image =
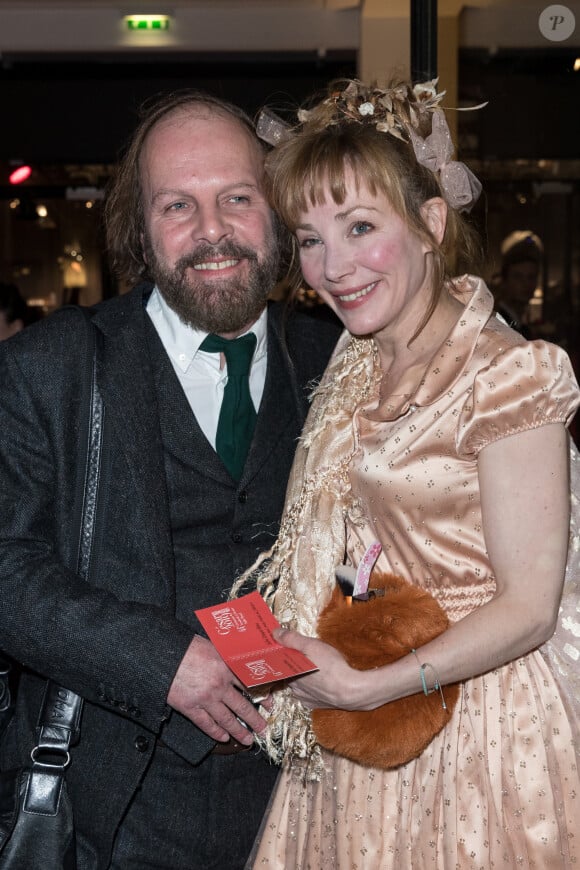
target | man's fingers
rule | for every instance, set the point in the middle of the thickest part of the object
(207, 693)
(224, 717)
(220, 718)
(206, 723)
(245, 710)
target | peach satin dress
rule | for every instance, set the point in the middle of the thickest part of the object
(499, 787)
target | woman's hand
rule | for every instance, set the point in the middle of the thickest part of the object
(335, 684)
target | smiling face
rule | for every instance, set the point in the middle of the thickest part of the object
(364, 261)
(209, 238)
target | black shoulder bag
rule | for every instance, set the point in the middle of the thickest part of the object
(36, 819)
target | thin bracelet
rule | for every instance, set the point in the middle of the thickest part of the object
(436, 683)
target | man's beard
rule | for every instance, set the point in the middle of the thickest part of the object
(218, 306)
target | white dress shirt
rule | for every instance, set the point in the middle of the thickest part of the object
(199, 372)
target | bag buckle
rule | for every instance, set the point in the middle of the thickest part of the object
(51, 762)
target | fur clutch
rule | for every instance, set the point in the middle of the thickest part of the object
(374, 633)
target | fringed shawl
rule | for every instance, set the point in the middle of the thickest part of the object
(296, 577)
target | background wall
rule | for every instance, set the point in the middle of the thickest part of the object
(72, 77)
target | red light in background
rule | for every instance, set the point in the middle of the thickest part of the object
(19, 175)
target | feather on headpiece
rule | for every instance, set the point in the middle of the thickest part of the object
(401, 111)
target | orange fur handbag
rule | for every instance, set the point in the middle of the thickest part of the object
(370, 634)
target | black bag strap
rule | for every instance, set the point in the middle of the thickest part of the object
(8, 677)
(5, 668)
(60, 714)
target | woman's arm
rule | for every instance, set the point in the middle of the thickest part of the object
(525, 508)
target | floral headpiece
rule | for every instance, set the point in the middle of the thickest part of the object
(400, 111)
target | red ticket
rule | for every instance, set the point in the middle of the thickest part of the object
(241, 631)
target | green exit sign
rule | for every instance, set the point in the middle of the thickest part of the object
(147, 22)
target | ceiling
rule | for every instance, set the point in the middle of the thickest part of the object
(66, 63)
(251, 25)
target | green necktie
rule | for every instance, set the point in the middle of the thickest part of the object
(237, 415)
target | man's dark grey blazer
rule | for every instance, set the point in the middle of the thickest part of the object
(115, 640)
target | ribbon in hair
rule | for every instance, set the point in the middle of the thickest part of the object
(459, 185)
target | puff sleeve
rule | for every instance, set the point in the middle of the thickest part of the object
(524, 387)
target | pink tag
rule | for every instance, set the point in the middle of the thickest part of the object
(363, 574)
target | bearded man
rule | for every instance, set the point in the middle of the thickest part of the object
(164, 774)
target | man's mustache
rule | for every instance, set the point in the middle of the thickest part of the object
(210, 252)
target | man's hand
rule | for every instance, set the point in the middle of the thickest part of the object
(207, 693)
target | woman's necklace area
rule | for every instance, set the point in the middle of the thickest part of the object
(401, 382)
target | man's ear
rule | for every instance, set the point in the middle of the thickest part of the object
(434, 212)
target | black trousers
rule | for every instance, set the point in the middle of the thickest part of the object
(195, 818)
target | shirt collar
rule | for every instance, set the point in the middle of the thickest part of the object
(182, 341)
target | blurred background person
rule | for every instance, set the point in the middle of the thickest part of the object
(521, 260)
(13, 311)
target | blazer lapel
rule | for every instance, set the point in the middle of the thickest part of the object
(126, 381)
(281, 404)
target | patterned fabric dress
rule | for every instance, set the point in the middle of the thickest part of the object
(499, 787)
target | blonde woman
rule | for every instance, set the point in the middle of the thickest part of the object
(441, 433)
